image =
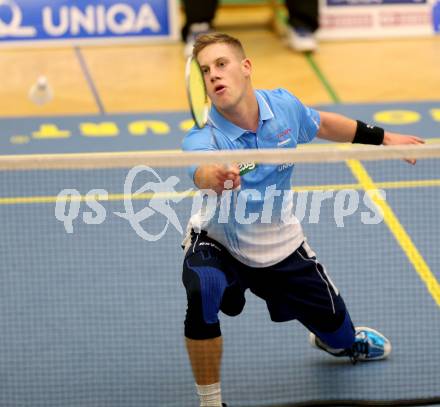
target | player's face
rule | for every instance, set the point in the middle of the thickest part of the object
(226, 74)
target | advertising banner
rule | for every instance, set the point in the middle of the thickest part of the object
(345, 19)
(94, 21)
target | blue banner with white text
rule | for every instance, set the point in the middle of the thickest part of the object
(51, 20)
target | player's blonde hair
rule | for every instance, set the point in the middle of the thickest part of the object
(217, 38)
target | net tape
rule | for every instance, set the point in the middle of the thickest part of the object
(176, 158)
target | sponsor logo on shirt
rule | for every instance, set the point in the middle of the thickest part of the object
(284, 137)
(284, 166)
(246, 167)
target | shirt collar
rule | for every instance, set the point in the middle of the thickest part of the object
(233, 131)
(264, 108)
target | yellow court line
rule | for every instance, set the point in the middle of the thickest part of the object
(423, 183)
(432, 140)
(84, 198)
(190, 194)
(326, 187)
(396, 228)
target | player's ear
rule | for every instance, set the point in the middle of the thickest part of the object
(246, 66)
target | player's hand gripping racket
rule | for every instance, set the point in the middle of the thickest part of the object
(196, 90)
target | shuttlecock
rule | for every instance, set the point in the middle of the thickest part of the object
(41, 92)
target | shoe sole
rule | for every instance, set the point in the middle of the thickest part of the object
(313, 343)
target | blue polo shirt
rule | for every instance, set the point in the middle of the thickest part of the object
(284, 122)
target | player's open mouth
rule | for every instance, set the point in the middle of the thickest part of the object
(219, 89)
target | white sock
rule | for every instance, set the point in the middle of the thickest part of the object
(210, 395)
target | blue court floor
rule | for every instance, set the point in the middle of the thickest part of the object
(95, 317)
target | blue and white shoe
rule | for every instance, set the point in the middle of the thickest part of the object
(301, 40)
(369, 345)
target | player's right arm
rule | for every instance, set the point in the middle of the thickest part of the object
(217, 177)
(212, 176)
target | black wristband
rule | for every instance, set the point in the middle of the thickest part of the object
(367, 134)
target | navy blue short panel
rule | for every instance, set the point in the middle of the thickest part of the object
(296, 288)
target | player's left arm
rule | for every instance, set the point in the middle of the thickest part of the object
(341, 129)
